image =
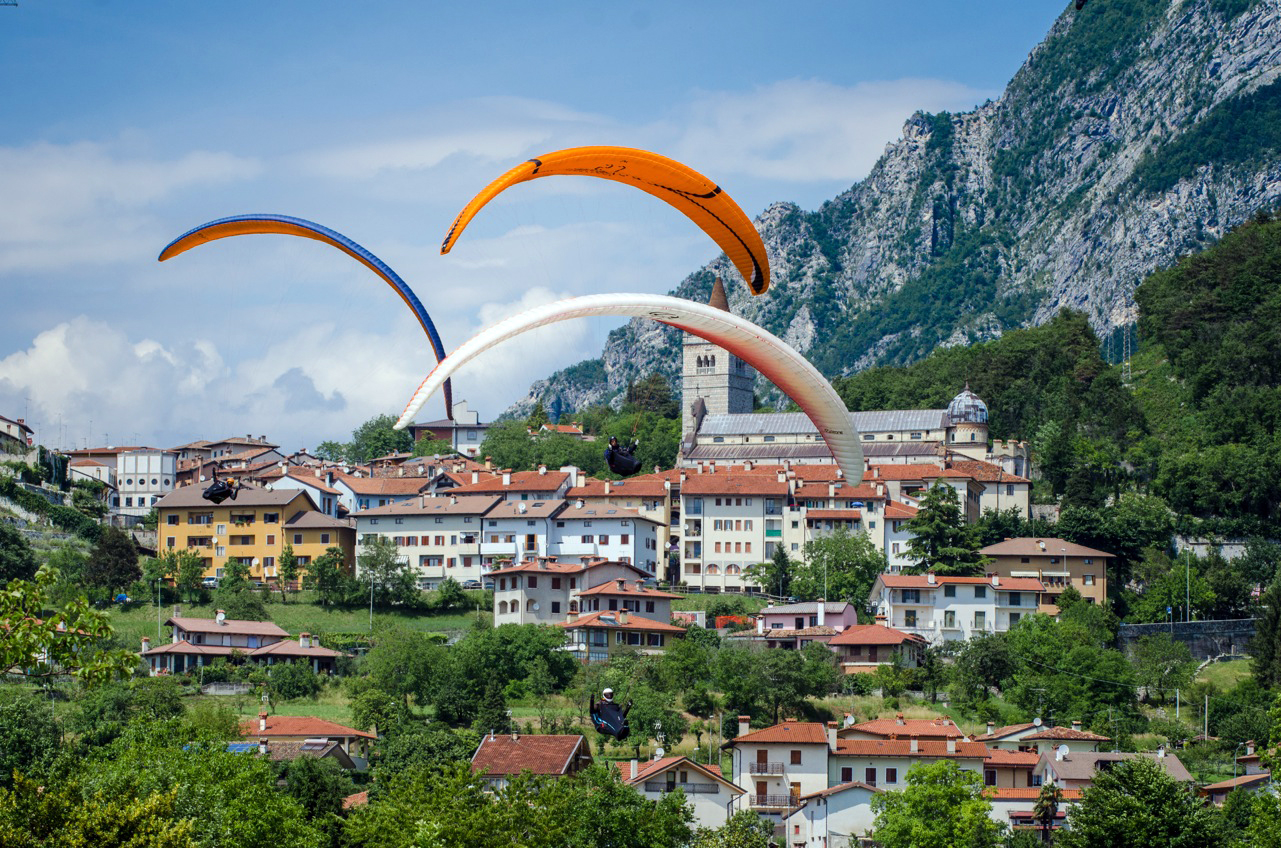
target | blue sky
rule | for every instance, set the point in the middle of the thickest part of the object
(128, 123)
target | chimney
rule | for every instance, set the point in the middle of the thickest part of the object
(1060, 754)
(1076, 725)
(262, 721)
(930, 578)
(1160, 752)
(177, 611)
(422, 501)
(622, 584)
(914, 745)
(515, 736)
(542, 471)
(146, 644)
(475, 476)
(507, 477)
(744, 725)
(898, 719)
(849, 719)
(520, 507)
(831, 735)
(304, 641)
(781, 476)
(822, 612)
(262, 747)
(951, 744)
(542, 563)
(453, 499)
(635, 770)
(1249, 748)
(760, 625)
(991, 728)
(996, 579)
(571, 616)
(623, 616)
(607, 487)
(840, 475)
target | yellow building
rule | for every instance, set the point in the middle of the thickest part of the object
(252, 529)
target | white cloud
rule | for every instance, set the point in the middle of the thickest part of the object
(807, 130)
(86, 203)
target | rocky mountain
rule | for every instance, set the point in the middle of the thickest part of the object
(1137, 131)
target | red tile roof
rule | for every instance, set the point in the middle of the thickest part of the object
(1012, 794)
(733, 484)
(307, 727)
(986, 472)
(896, 510)
(925, 728)
(229, 625)
(610, 619)
(521, 481)
(841, 787)
(360, 799)
(799, 732)
(915, 471)
(386, 486)
(511, 754)
(926, 748)
(1235, 782)
(874, 634)
(633, 590)
(1002, 757)
(1007, 730)
(648, 487)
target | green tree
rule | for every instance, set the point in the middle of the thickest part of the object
(537, 417)
(1265, 648)
(492, 715)
(40, 643)
(287, 567)
(774, 577)
(839, 567)
(377, 437)
(942, 806)
(331, 451)
(654, 394)
(319, 785)
(403, 662)
(29, 737)
(187, 570)
(113, 564)
(327, 575)
(941, 541)
(415, 746)
(433, 447)
(449, 595)
(17, 560)
(293, 680)
(1162, 665)
(508, 443)
(240, 601)
(1135, 804)
(384, 574)
(1046, 809)
(745, 829)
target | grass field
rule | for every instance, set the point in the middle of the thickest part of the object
(297, 616)
(1225, 675)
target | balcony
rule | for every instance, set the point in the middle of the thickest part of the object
(774, 802)
(690, 788)
(498, 549)
(773, 534)
(764, 768)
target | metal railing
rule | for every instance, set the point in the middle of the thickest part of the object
(776, 801)
(764, 768)
(690, 788)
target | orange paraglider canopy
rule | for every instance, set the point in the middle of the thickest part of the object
(700, 199)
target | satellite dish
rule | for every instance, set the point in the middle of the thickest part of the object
(1062, 751)
(215, 540)
(536, 607)
(659, 752)
(220, 616)
(255, 562)
(1037, 721)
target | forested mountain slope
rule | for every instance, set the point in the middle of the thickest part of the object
(1135, 133)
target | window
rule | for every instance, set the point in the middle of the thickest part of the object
(324, 538)
(847, 775)
(1014, 618)
(1087, 580)
(373, 521)
(949, 619)
(980, 591)
(867, 437)
(989, 777)
(949, 591)
(625, 538)
(271, 539)
(869, 776)
(171, 519)
(1016, 599)
(1088, 561)
(980, 620)
(170, 541)
(555, 606)
(911, 596)
(555, 582)
(400, 520)
(909, 618)
(587, 539)
(129, 501)
(891, 775)
(796, 758)
(604, 539)
(533, 582)
(297, 538)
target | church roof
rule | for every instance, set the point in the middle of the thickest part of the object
(765, 423)
(718, 298)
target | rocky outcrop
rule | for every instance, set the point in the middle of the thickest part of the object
(1086, 175)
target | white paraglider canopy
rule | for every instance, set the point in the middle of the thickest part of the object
(767, 353)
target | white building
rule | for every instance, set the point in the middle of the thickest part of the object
(143, 477)
(545, 591)
(947, 609)
(439, 537)
(707, 792)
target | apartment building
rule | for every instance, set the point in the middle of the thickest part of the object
(946, 609)
(252, 530)
(1057, 563)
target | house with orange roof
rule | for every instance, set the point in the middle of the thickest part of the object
(1002, 490)
(545, 590)
(598, 636)
(500, 757)
(441, 537)
(862, 648)
(1015, 807)
(16, 436)
(283, 729)
(793, 626)
(361, 491)
(1010, 769)
(946, 609)
(1009, 737)
(731, 522)
(655, 496)
(706, 790)
(196, 642)
(1057, 563)
(780, 764)
(928, 729)
(1073, 739)
(840, 814)
(540, 485)
(1068, 769)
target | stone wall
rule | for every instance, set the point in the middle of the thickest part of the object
(1206, 639)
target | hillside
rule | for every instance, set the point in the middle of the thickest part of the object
(1133, 134)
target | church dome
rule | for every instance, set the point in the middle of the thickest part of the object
(967, 408)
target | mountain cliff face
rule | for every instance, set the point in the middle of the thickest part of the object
(1136, 132)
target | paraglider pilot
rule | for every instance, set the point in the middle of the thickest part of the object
(219, 490)
(621, 459)
(609, 718)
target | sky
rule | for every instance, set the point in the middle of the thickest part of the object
(125, 124)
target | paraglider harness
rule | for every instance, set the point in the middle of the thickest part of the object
(609, 718)
(621, 460)
(219, 490)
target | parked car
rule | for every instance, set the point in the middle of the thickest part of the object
(209, 583)
(471, 584)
